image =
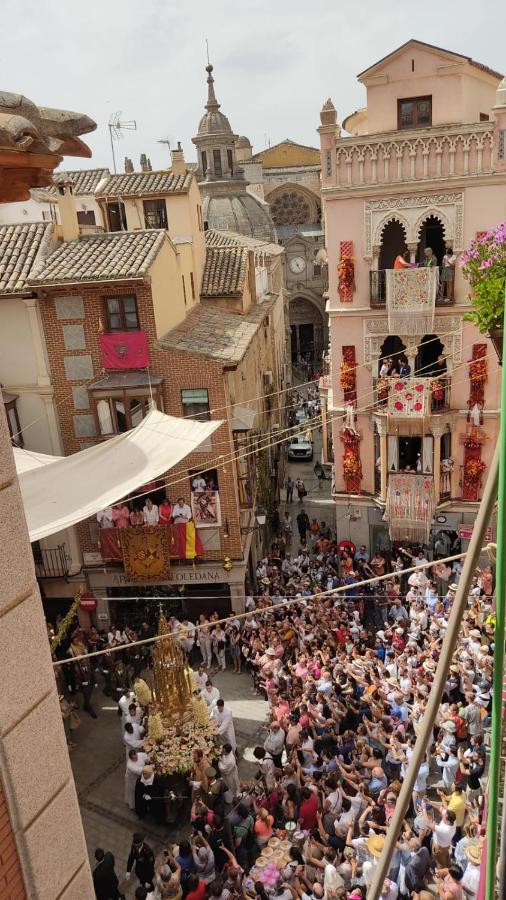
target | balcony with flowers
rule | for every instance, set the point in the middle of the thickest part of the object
(416, 397)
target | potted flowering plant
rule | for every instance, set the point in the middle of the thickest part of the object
(484, 267)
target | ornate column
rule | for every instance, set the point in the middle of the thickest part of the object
(412, 247)
(381, 425)
(437, 431)
(411, 353)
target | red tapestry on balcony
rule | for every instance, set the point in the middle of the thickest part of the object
(145, 553)
(473, 468)
(346, 272)
(478, 375)
(408, 398)
(410, 507)
(124, 350)
(182, 541)
(352, 465)
(348, 375)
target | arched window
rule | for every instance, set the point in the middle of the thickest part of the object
(393, 242)
(432, 235)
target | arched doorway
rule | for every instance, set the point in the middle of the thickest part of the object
(308, 333)
(393, 242)
(392, 347)
(428, 351)
(432, 234)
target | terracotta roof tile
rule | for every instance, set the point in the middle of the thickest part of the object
(101, 257)
(141, 183)
(215, 333)
(85, 180)
(224, 271)
(22, 248)
(216, 238)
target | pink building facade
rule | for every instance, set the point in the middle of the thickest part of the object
(422, 166)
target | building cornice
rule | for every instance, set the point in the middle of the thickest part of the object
(401, 188)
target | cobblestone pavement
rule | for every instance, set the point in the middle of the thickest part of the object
(98, 763)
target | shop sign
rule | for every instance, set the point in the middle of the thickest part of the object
(466, 532)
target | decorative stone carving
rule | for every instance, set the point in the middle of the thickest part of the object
(448, 329)
(411, 212)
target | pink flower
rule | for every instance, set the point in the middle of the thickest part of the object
(399, 386)
(419, 387)
(417, 406)
(409, 396)
(399, 405)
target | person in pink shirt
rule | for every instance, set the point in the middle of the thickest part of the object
(121, 515)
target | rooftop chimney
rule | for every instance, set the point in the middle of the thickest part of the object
(67, 208)
(178, 161)
(129, 166)
(145, 163)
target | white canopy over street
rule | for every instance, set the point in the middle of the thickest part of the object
(59, 491)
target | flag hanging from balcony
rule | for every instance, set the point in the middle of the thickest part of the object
(185, 540)
(145, 553)
(411, 300)
(410, 506)
(124, 350)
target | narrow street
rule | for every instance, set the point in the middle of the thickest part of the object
(98, 764)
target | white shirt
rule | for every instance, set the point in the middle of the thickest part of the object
(104, 517)
(135, 766)
(198, 484)
(211, 697)
(181, 513)
(201, 680)
(444, 834)
(151, 515)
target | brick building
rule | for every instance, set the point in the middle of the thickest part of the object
(207, 311)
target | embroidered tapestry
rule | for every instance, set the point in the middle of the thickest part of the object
(411, 300)
(408, 397)
(145, 553)
(410, 507)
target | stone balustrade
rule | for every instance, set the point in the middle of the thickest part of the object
(412, 156)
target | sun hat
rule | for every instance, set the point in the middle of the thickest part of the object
(429, 665)
(475, 632)
(452, 587)
(474, 853)
(449, 726)
(270, 652)
(375, 845)
(210, 772)
(399, 630)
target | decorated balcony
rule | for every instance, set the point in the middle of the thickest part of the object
(445, 295)
(146, 551)
(414, 397)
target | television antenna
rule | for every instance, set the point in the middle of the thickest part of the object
(116, 129)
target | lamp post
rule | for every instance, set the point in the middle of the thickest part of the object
(261, 518)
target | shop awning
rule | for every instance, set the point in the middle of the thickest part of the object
(243, 418)
(60, 491)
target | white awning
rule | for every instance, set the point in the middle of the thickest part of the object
(243, 418)
(60, 491)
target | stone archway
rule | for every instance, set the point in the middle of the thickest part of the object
(308, 329)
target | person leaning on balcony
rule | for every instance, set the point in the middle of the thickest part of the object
(165, 512)
(150, 513)
(181, 512)
(404, 367)
(429, 260)
(121, 515)
(448, 273)
(136, 516)
(402, 261)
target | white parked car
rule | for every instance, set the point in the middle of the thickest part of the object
(300, 448)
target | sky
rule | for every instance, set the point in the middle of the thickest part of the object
(275, 61)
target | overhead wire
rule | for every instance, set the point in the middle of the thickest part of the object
(245, 615)
(234, 456)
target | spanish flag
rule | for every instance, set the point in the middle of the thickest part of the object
(187, 540)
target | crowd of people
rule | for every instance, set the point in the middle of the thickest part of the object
(346, 677)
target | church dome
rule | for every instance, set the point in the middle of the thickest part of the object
(242, 142)
(213, 121)
(239, 212)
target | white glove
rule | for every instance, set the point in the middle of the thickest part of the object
(127, 876)
(146, 797)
